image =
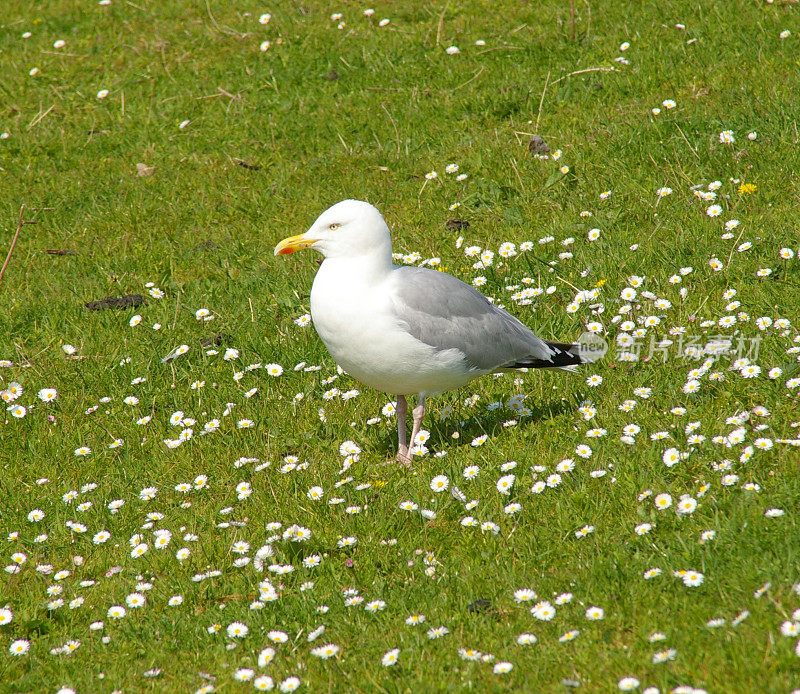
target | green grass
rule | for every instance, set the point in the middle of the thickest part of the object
(202, 228)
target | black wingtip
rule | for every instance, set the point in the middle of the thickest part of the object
(565, 355)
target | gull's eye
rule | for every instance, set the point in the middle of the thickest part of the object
(334, 226)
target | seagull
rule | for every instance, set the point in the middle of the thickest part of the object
(409, 330)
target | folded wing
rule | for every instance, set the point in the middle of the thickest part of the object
(443, 312)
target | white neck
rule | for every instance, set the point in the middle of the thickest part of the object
(370, 266)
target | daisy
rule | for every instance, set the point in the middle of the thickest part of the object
(628, 684)
(116, 612)
(662, 501)
(390, 657)
(553, 480)
(101, 537)
(135, 600)
(692, 578)
(278, 636)
(244, 674)
(507, 250)
(48, 394)
(505, 484)
(790, 629)
(263, 683)
(524, 595)
(750, 371)
(19, 647)
(438, 632)
(763, 443)
(289, 684)
(18, 411)
(471, 472)
(566, 465)
(237, 630)
(543, 611)
(266, 656)
(686, 506)
(671, 457)
(440, 483)
(327, 651)
(35, 516)
(736, 621)
(469, 654)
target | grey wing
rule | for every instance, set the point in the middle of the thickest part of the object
(440, 310)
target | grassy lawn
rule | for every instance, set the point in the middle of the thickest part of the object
(163, 524)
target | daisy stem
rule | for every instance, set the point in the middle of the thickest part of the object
(20, 224)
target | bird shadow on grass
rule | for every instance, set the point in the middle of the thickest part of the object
(471, 424)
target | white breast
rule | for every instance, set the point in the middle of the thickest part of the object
(354, 318)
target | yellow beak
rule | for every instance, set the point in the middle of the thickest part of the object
(294, 243)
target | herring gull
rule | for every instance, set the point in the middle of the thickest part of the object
(409, 330)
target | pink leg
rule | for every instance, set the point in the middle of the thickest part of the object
(402, 445)
(418, 413)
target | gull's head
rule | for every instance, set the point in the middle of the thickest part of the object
(349, 228)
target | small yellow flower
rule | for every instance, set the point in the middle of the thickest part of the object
(600, 283)
(747, 188)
